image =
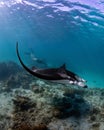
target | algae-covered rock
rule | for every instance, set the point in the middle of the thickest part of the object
(8, 68)
(25, 126)
(23, 103)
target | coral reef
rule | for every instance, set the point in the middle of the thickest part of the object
(15, 81)
(23, 116)
(27, 103)
(5, 110)
(23, 104)
(7, 69)
(23, 126)
(13, 76)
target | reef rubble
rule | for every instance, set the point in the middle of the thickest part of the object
(27, 103)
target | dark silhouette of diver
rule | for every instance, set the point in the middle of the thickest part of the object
(35, 59)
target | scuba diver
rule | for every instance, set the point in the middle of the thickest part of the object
(35, 59)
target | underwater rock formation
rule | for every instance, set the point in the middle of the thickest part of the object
(7, 69)
(69, 106)
(25, 126)
(49, 106)
(23, 116)
(36, 88)
(13, 76)
(23, 104)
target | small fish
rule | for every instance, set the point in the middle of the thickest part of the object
(59, 75)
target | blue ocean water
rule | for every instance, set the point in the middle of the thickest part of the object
(69, 31)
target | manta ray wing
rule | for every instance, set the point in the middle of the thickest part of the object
(47, 74)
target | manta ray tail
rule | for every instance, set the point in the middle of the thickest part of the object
(25, 67)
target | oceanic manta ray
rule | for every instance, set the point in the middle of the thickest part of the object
(59, 75)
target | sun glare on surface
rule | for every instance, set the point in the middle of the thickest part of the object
(2, 4)
(9, 3)
(19, 1)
